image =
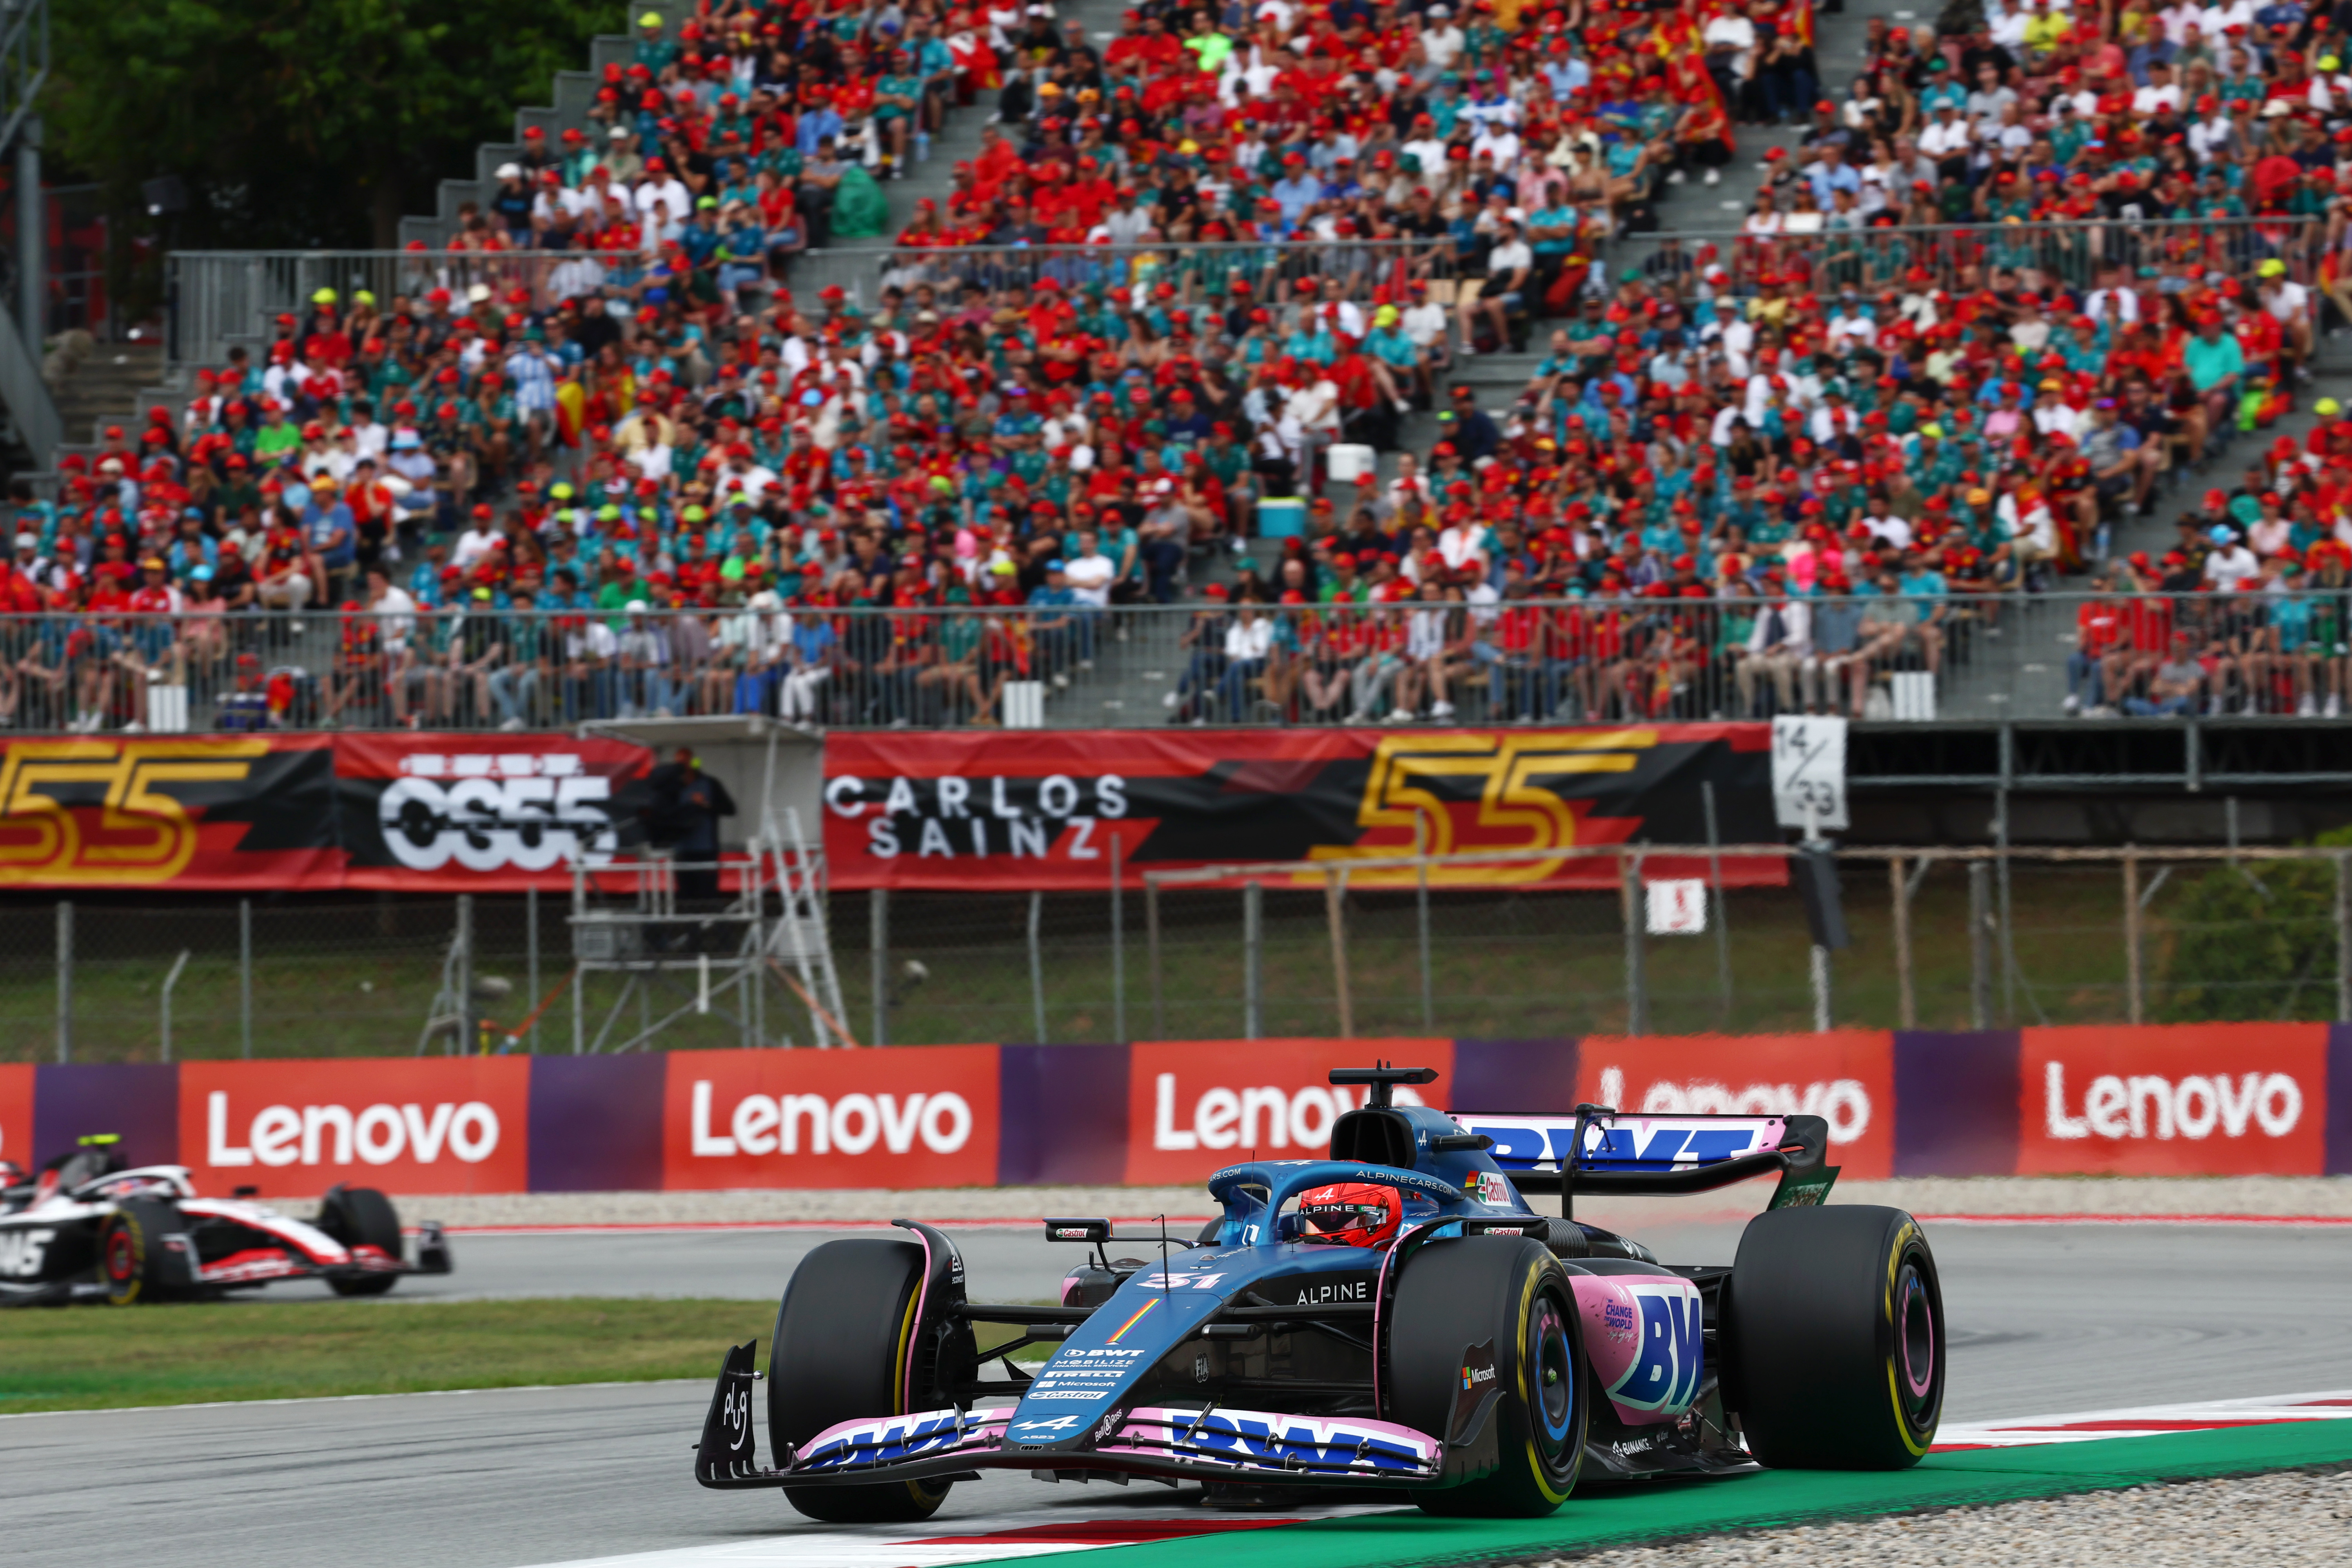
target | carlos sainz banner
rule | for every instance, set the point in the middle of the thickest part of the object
(416, 813)
(1046, 810)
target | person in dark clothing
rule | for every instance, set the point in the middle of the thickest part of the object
(682, 818)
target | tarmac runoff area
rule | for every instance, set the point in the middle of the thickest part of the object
(2084, 1315)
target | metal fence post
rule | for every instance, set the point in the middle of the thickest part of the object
(1253, 961)
(467, 1023)
(1151, 954)
(1722, 910)
(1117, 949)
(1037, 963)
(531, 961)
(170, 981)
(245, 974)
(1420, 916)
(65, 980)
(2343, 938)
(1637, 990)
(877, 906)
(1335, 911)
(2008, 936)
(2131, 928)
(1906, 1001)
(1979, 944)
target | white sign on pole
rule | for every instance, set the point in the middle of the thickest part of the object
(1677, 907)
(1809, 773)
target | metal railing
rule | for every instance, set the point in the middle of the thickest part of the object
(1965, 257)
(221, 297)
(1921, 657)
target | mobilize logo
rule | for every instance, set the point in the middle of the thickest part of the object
(533, 811)
(2151, 1105)
(335, 1134)
(1270, 1116)
(21, 1251)
(851, 1124)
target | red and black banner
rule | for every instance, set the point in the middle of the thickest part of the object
(1042, 809)
(312, 812)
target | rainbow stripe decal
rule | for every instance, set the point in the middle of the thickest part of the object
(1133, 1320)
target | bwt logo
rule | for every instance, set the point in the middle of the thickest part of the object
(852, 1124)
(2146, 1105)
(334, 1135)
(532, 810)
(1844, 1103)
(1265, 1118)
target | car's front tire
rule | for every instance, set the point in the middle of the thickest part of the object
(1834, 1341)
(361, 1216)
(845, 1335)
(133, 1262)
(1454, 1297)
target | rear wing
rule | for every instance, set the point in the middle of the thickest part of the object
(1600, 1152)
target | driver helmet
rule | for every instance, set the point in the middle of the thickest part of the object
(1350, 1214)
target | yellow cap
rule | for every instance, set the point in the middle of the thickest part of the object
(1385, 316)
(323, 297)
(2329, 63)
(1979, 498)
(650, 19)
(2273, 267)
(2327, 408)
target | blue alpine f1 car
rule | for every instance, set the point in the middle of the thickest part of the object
(1396, 1320)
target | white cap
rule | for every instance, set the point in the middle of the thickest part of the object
(510, 171)
(635, 606)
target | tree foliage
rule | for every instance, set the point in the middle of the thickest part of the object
(300, 123)
(2256, 941)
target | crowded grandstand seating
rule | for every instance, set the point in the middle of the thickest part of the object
(1118, 428)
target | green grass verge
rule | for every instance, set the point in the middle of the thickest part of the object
(1598, 1517)
(92, 1358)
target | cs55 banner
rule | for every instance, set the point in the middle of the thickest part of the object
(1044, 810)
(213, 813)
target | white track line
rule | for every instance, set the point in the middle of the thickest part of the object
(2146, 1421)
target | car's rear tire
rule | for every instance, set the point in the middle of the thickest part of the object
(1834, 1346)
(133, 1262)
(361, 1216)
(845, 1333)
(1457, 1295)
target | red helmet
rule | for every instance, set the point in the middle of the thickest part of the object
(1351, 1213)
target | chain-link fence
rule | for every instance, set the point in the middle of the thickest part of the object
(1939, 938)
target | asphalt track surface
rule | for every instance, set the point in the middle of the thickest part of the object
(2043, 1317)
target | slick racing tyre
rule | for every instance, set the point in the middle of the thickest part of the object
(132, 1263)
(1492, 1311)
(845, 1333)
(361, 1216)
(1833, 1338)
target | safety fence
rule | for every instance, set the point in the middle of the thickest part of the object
(1662, 940)
(1921, 655)
(2180, 1101)
(221, 297)
(1811, 256)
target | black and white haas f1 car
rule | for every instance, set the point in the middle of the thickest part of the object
(1395, 1319)
(87, 1229)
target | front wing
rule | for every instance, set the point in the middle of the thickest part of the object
(1172, 1444)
